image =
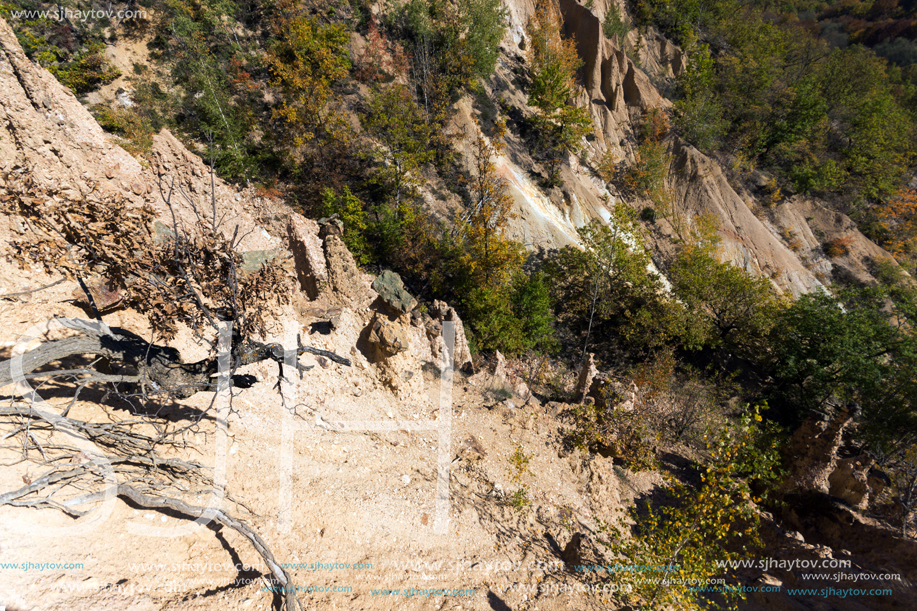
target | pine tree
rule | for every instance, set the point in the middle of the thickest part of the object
(554, 62)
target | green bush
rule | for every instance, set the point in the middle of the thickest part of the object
(135, 130)
(606, 297)
(511, 319)
(88, 69)
(350, 210)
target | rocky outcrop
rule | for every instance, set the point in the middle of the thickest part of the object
(810, 226)
(49, 139)
(612, 81)
(811, 454)
(587, 374)
(442, 312)
(344, 277)
(850, 481)
(308, 256)
(701, 187)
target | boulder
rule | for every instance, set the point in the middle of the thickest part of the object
(387, 337)
(392, 293)
(330, 225)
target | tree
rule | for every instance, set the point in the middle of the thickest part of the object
(352, 213)
(859, 346)
(735, 308)
(506, 310)
(215, 105)
(608, 291)
(690, 538)
(487, 258)
(897, 218)
(484, 24)
(614, 24)
(877, 144)
(396, 122)
(553, 63)
(698, 110)
(305, 59)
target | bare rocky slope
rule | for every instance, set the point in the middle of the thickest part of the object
(323, 492)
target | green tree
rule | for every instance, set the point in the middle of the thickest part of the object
(858, 346)
(698, 110)
(395, 120)
(687, 540)
(878, 143)
(735, 308)
(213, 107)
(531, 300)
(305, 59)
(614, 24)
(554, 61)
(606, 295)
(484, 24)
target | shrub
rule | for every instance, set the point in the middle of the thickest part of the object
(686, 540)
(607, 166)
(513, 318)
(838, 247)
(350, 210)
(616, 431)
(135, 131)
(648, 215)
(646, 177)
(88, 69)
(519, 467)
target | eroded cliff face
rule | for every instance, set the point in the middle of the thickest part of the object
(783, 242)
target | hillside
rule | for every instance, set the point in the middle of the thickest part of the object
(700, 349)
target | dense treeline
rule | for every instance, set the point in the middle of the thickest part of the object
(769, 90)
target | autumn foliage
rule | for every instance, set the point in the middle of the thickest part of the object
(898, 220)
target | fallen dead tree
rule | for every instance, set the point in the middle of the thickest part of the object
(189, 277)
